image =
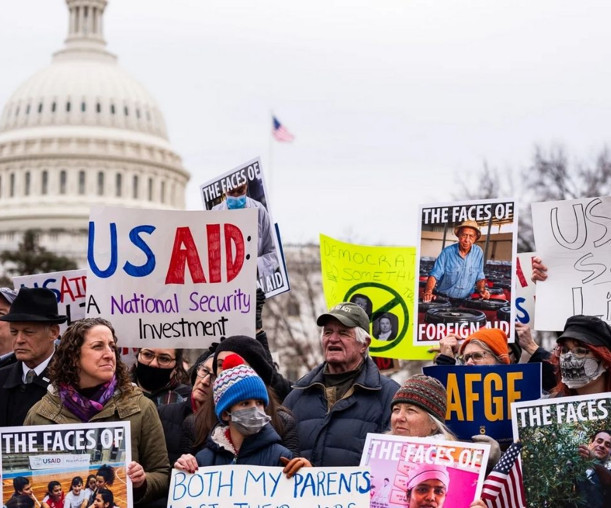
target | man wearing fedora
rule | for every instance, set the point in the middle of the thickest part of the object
(34, 325)
(459, 267)
(7, 357)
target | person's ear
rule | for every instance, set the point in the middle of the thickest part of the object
(225, 416)
(54, 331)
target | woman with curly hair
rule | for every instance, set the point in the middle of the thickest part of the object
(90, 383)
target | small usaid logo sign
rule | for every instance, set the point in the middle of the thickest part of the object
(57, 461)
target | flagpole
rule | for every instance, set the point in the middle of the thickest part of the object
(270, 155)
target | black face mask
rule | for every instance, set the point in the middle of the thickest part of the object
(152, 378)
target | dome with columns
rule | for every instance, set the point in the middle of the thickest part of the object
(80, 132)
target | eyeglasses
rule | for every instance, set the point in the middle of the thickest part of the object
(163, 360)
(203, 372)
(477, 357)
(577, 352)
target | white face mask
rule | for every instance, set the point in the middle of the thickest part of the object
(578, 372)
(249, 421)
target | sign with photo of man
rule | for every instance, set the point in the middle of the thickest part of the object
(466, 269)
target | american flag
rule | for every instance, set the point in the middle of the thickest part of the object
(280, 133)
(503, 488)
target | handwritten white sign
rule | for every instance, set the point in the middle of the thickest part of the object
(573, 239)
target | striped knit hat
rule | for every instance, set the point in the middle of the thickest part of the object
(237, 382)
(425, 392)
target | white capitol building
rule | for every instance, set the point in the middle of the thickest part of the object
(78, 133)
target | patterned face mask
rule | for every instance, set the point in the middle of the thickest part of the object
(578, 372)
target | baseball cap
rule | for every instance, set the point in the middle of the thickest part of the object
(9, 294)
(347, 313)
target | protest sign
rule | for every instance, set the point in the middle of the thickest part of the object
(42, 453)
(551, 432)
(453, 267)
(573, 239)
(244, 486)
(397, 462)
(172, 279)
(524, 300)
(480, 396)
(70, 288)
(381, 281)
(244, 187)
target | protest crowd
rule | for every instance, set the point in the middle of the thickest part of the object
(233, 406)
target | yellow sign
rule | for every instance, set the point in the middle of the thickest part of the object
(381, 280)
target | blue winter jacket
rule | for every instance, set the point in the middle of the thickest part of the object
(337, 437)
(261, 449)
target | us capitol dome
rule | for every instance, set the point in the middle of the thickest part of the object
(78, 133)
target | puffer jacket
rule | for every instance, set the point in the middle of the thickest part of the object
(261, 449)
(147, 440)
(336, 436)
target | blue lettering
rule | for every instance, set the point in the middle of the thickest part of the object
(112, 266)
(179, 490)
(149, 265)
(522, 314)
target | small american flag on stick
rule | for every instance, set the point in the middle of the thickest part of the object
(503, 487)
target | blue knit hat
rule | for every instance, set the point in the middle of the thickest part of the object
(237, 382)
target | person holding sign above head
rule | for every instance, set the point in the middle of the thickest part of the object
(427, 486)
(236, 198)
(486, 346)
(34, 324)
(244, 435)
(459, 267)
(90, 383)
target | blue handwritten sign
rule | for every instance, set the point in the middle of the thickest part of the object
(243, 486)
(480, 396)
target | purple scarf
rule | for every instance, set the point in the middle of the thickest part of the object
(86, 408)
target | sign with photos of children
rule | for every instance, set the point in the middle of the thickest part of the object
(244, 188)
(380, 280)
(480, 396)
(465, 269)
(566, 447)
(405, 471)
(178, 279)
(244, 486)
(69, 286)
(58, 453)
(573, 239)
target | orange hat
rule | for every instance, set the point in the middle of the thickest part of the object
(494, 338)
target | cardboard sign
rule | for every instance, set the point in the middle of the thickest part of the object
(551, 432)
(455, 267)
(271, 268)
(172, 279)
(480, 396)
(395, 462)
(573, 239)
(42, 453)
(243, 486)
(381, 281)
(70, 288)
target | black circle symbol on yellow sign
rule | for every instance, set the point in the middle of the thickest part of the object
(393, 300)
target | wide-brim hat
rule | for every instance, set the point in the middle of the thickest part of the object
(37, 305)
(468, 224)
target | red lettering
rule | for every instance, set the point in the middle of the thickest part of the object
(184, 253)
(234, 243)
(214, 252)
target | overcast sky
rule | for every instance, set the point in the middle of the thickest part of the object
(391, 101)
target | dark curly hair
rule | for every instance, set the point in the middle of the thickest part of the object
(64, 369)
